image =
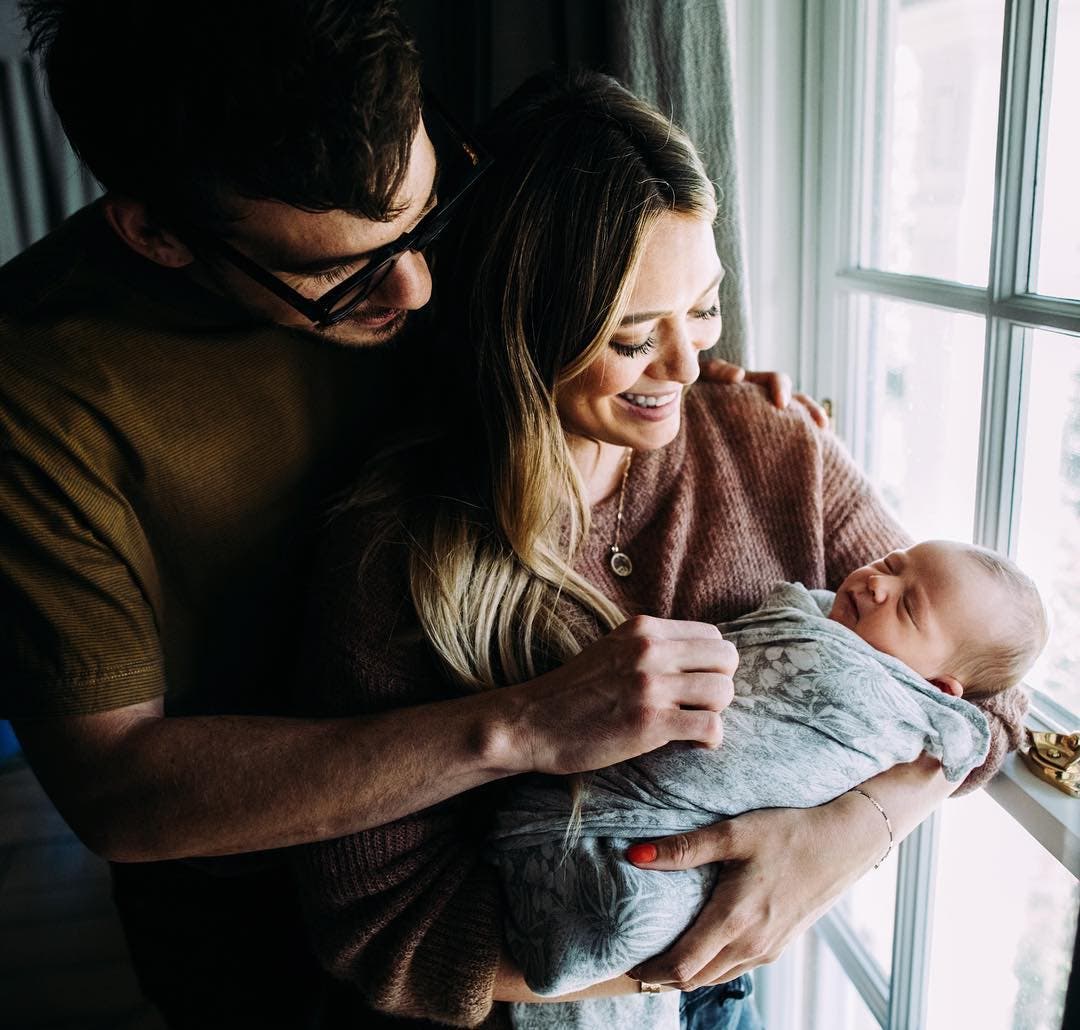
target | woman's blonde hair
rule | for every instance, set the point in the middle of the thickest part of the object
(532, 288)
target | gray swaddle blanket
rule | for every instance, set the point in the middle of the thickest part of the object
(816, 712)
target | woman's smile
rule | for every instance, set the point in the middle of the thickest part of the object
(652, 407)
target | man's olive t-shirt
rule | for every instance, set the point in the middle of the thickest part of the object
(163, 462)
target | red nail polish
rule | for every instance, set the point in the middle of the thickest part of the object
(638, 853)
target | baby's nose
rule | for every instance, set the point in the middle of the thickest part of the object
(878, 589)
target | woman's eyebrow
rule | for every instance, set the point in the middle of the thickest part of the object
(648, 316)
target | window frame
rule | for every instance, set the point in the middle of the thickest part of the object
(829, 169)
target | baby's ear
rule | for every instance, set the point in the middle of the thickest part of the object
(949, 685)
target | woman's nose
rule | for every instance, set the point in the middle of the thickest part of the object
(408, 286)
(679, 356)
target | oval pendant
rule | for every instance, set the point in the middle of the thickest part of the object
(621, 564)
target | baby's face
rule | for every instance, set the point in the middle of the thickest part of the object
(920, 605)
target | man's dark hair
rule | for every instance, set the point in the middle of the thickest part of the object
(178, 102)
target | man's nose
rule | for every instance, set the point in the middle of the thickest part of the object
(408, 286)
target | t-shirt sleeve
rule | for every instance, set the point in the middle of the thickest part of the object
(77, 580)
(858, 529)
(408, 913)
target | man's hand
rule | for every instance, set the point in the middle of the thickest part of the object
(648, 682)
(776, 384)
(782, 869)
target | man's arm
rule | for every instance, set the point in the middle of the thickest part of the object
(136, 785)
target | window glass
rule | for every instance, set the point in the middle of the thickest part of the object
(933, 134)
(924, 368)
(1004, 913)
(1049, 537)
(869, 909)
(1057, 271)
(829, 997)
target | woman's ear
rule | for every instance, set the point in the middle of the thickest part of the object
(130, 221)
(949, 685)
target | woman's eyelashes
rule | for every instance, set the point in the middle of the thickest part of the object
(633, 350)
(636, 350)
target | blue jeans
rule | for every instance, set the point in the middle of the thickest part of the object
(727, 1006)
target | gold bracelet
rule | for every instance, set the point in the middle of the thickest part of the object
(884, 815)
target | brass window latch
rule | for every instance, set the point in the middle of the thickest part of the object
(1054, 757)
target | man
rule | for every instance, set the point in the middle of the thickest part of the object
(188, 369)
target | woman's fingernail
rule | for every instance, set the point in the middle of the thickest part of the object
(639, 853)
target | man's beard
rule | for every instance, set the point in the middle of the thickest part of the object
(339, 334)
(350, 332)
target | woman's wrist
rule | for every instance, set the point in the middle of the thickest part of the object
(884, 815)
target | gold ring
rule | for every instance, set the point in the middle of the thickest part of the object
(647, 988)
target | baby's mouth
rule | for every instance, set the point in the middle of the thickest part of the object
(845, 610)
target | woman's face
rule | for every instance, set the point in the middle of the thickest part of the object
(630, 395)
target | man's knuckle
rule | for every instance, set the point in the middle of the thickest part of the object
(727, 690)
(637, 624)
(713, 728)
(644, 649)
(642, 683)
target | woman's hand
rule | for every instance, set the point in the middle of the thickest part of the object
(782, 868)
(776, 384)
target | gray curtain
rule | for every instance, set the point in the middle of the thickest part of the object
(677, 53)
(41, 180)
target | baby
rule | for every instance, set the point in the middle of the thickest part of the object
(830, 690)
(962, 617)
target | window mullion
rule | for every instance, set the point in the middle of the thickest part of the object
(910, 979)
(859, 965)
(1018, 145)
(830, 131)
(1000, 438)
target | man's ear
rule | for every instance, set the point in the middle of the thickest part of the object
(131, 221)
(949, 685)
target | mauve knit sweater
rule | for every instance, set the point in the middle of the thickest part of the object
(746, 496)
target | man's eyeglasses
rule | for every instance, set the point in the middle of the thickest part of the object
(459, 164)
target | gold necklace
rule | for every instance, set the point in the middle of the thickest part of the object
(620, 562)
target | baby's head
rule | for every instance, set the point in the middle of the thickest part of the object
(961, 616)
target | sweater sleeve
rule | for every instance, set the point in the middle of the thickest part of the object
(859, 529)
(407, 913)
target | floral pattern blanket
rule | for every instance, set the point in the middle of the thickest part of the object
(816, 712)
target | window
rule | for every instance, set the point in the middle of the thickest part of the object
(940, 312)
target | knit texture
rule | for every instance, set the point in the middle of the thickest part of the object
(744, 497)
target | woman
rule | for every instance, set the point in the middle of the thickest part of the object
(569, 481)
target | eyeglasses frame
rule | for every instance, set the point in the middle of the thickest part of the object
(320, 310)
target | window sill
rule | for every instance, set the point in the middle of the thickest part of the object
(1050, 816)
